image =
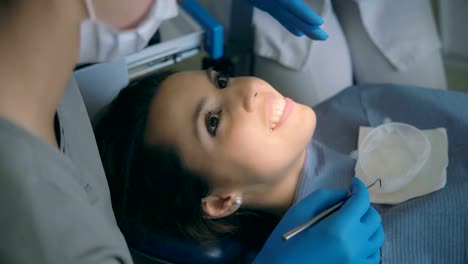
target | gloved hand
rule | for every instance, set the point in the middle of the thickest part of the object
(353, 234)
(294, 15)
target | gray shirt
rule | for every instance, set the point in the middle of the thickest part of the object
(56, 203)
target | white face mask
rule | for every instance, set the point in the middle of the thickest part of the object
(100, 42)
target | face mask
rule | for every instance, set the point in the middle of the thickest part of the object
(100, 42)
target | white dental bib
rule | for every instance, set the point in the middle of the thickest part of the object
(410, 162)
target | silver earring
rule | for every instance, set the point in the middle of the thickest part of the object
(237, 201)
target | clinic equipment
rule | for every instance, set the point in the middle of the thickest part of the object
(288, 235)
(181, 38)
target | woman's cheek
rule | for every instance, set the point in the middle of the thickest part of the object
(244, 142)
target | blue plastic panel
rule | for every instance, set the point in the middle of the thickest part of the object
(214, 33)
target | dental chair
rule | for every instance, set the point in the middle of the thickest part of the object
(178, 39)
(170, 250)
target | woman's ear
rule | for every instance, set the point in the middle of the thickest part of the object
(218, 207)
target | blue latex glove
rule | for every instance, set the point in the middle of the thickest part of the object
(353, 234)
(294, 15)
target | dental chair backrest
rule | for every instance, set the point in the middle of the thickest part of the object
(146, 250)
(149, 248)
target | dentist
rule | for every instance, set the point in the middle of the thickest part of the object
(54, 194)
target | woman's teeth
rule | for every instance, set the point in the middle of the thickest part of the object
(277, 112)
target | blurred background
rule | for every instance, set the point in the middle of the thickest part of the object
(452, 19)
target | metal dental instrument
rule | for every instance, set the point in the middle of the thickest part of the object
(322, 215)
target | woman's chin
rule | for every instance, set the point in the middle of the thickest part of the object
(308, 121)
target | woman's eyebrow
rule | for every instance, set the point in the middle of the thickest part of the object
(196, 116)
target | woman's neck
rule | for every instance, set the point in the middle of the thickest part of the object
(277, 196)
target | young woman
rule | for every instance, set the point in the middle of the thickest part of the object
(204, 146)
(215, 149)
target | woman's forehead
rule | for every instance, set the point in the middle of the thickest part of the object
(186, 82)
(174, 104)
(182, 90)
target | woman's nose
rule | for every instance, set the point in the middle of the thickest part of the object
(250, 99)
(243, 93)
(248, 93)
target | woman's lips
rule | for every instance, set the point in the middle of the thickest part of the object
(278, 112)
(286, 112)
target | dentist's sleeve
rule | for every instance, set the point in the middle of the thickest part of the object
(55, 203)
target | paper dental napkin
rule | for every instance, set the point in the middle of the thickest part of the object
(431, 177)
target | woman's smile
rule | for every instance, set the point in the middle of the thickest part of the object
(278, 109)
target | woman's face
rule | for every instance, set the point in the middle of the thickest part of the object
(237, 132)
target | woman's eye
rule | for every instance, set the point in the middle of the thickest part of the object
(222, 80)
(212, 122)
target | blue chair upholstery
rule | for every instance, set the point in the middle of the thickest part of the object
(177, 251)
